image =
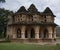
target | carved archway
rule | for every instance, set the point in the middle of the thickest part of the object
(26, 33)
(32, 34)
(18, 33)
(45, 33)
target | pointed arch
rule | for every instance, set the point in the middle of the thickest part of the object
(26, 33)
(45, 33)
(18, 33)
(32, 35)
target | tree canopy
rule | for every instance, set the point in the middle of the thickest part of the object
(2, 0)
(3, 20)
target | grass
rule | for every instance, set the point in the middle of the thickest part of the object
(19, 46)
(58, 47)
(58, 37)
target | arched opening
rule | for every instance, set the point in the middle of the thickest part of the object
(45, 34)
(18, 33)
(40, 34)
(32, 35)
(26, 34)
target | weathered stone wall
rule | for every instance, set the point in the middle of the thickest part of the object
(58, 30)
(50, 19)
(10, 19)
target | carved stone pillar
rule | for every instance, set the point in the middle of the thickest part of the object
(37, 32)
(23, 35)
(55, 33)
(14, 33)
(23, 32)
(50, 32)
(37, 35)
(29, 33)
(50, 35)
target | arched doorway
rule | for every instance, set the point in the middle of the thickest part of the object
(26, 34)
(18, 33)
(32, 35)
(40, 34)
(45, 33)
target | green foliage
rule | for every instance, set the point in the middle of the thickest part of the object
(4, 20)
(58, 37)
(2, 0)
(58, 47)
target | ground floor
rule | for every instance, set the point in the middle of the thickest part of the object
(34, 33)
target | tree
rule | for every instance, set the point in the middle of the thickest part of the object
(2, 0)
(3, 21)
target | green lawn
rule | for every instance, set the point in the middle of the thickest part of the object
(18, 46)
(58, 37)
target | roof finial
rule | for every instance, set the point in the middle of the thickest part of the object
(22, 9)
(32, 8)
(48, 10)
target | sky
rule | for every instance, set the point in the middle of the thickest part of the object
(54, 5)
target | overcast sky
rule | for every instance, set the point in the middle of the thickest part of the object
(40, 4)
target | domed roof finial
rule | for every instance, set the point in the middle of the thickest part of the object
(32, 8)
(22, 9)
(48, 10)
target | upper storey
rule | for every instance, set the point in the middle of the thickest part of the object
(32, 15)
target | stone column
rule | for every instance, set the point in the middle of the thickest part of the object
(23, 32)
(23, 35)
(50, 35)
(55, 33)
(37, 32)
(29, 33)
(37, 35)
(50, 32)
(14, 33)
